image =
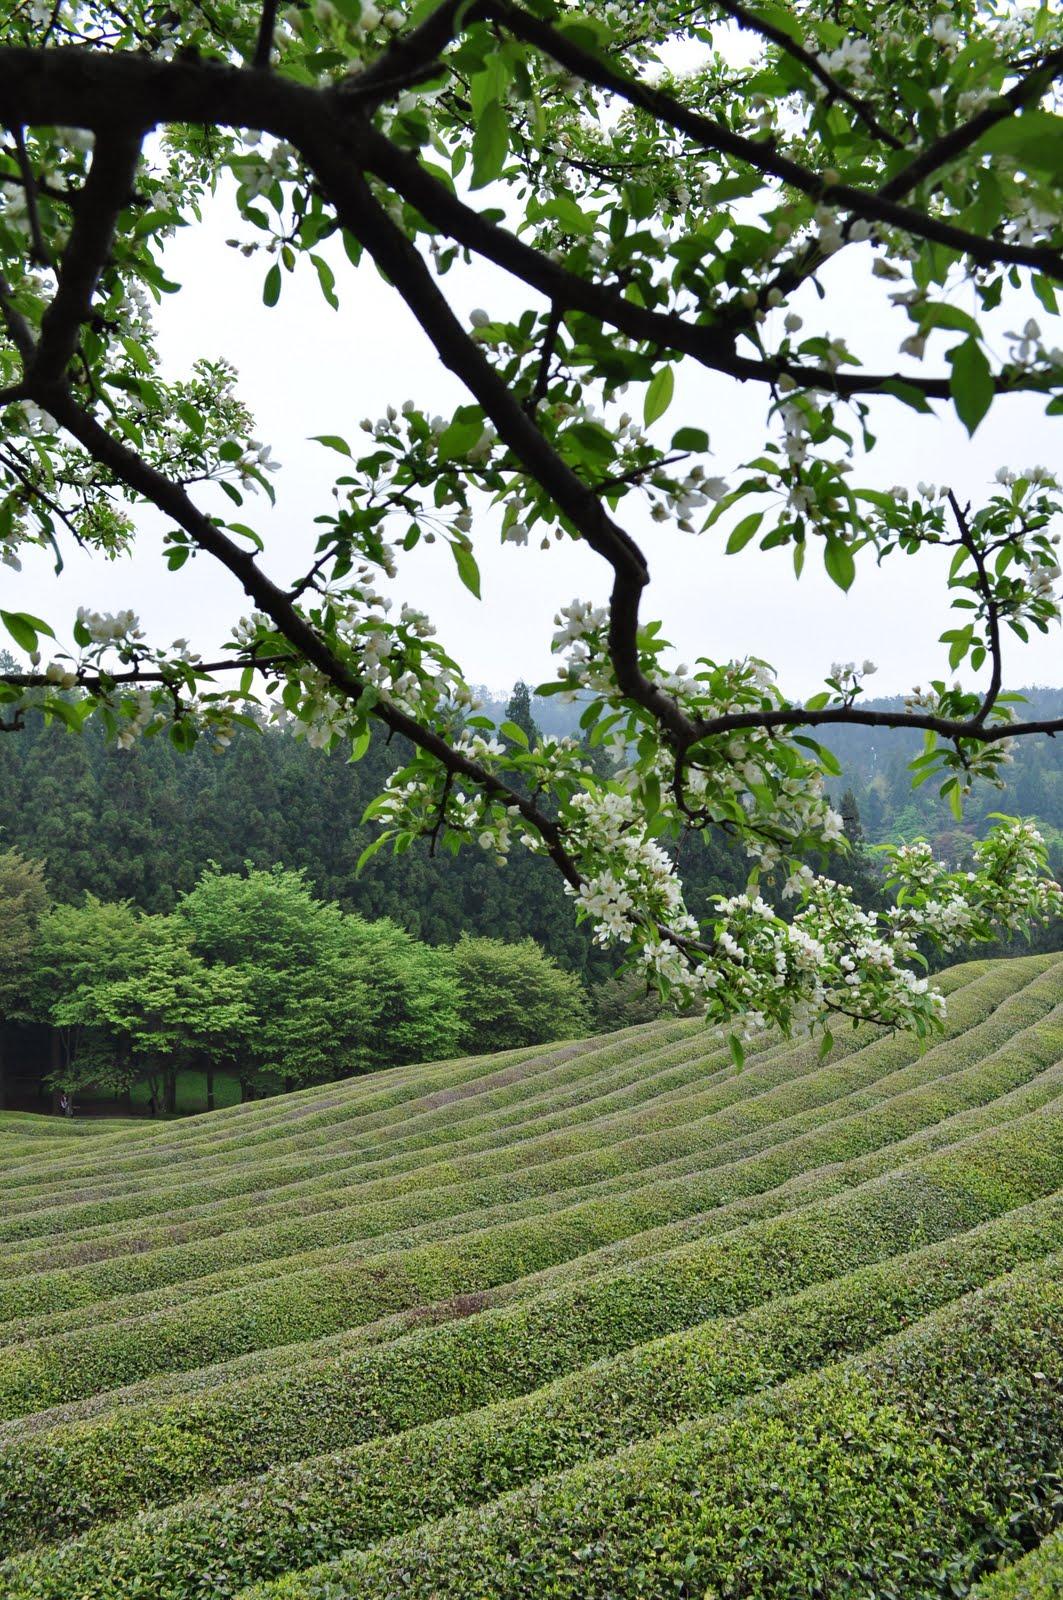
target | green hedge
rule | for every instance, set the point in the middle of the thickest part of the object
(904, 1472)
(1038, 1576)
(236, 1168)
(988, 990)
(703, 1179)
(302, 1513)
(803, 1190)
(67, 1478)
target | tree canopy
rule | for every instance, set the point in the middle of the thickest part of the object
(656, 197)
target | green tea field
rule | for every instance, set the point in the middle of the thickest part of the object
(605, 1319)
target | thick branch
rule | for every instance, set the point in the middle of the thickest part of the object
(393, 253)
(852, 716)
(106, 192)
(711, 345)
(172, 500)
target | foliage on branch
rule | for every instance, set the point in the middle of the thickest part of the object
(662, 184)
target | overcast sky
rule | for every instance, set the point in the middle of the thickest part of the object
(306, 369)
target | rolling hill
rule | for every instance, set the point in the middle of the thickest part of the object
(608, 1318)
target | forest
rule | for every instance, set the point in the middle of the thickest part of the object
(200, 917)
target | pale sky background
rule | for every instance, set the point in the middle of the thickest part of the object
(306, 369)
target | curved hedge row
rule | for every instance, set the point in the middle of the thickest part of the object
(990, 989)
(806, 1188)
(67, 1478)
(263, 1527)
(599, 1170)
(889, 1474)
(618, 1207)
(1037, 1576)
(564, 1322)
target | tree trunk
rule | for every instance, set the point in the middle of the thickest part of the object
(57, 1066)
(289, 1085)
(3, 1071)
(170, 1081)
(210, 1086)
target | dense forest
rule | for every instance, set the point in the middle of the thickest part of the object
(143, 825)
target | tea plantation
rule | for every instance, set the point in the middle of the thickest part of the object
(606, 1319)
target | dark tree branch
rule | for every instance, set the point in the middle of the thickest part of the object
(336, 168)
(107, 190)
(985, 589)
(29, 185)
(546, 356)
(264, 43)
(709, 342)
(958, 140)
(170, 498)
(852, 716)
(102, 682)
(87, 89)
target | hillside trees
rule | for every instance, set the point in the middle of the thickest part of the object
(329, 992)
(515, 995)
(24, 900)
(79, 950)
(651, 216)
(161, 1012)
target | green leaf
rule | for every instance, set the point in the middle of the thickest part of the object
(137, 354)
(741, 535)
(971, 383)
(690, 439)
(659, 394)
(490, 145)
(192, 418)
(1034, 140)
(513, 730)
(370, 851)
(333, 442)
(839, 562)
(327, 279)
(565, 211)
(468, 571)
(271, 289)
(24, 629)
(738, 1055)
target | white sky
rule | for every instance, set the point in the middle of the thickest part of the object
(305, 369)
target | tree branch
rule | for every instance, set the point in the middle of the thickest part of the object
(106, 191)
(264, 43)
(958, 140)
(762, 155)
(336, 167)
(29, 186)
(985, 589)
(712, 344)
(173, 501)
